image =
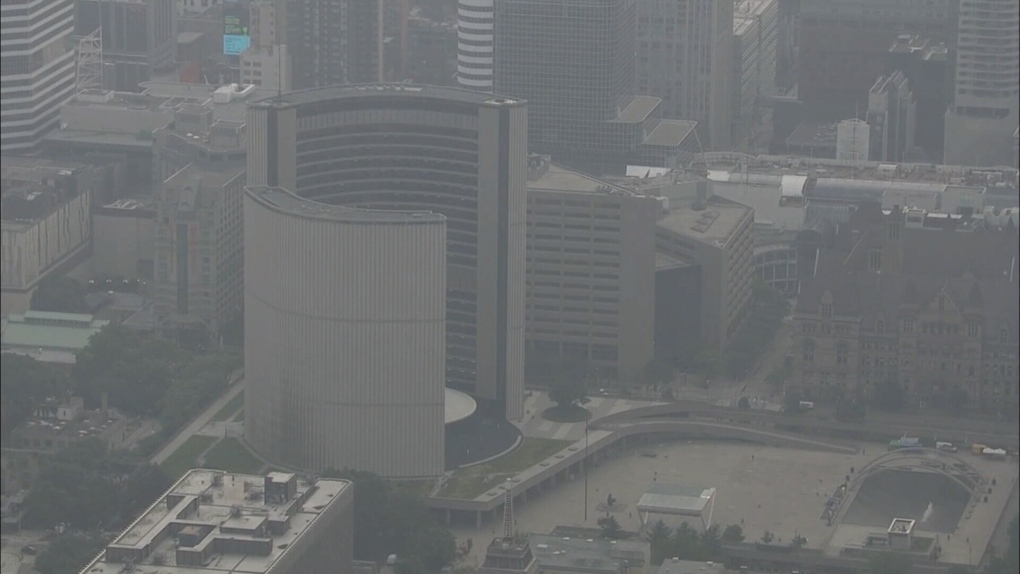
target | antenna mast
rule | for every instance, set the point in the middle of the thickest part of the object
(89, 65)
(508, 512)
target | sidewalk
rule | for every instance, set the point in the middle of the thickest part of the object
(197, 424)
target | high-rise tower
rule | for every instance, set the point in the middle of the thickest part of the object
(36, 69)
(986, 106)
(475, 44)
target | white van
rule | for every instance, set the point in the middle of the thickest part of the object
(945, 446)
(807, 405)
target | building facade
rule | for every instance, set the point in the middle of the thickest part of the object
(139, 38)
(198, 247)
(47, 226)
(471, 148)
(36, 68)
(685, 56)
(718, 236)
(926, 308)
(345, 361)
(475, 44)
(590, 271)
(336, 42)
(267, 61)
(986, 104)
(892, 117)
(573, 61)
(755, 45)
(843, 43)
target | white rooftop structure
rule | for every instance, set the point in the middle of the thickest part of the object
(459, 406)
(675, 500)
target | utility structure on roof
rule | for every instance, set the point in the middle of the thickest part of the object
(508, 554)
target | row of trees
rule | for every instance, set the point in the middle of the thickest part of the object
(686, 543)
(390, 521)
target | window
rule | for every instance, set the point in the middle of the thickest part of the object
(880, 327)
(809, 351)
(875, 260)
(1004, 335)
(825, 310)
(908, 325)
(973, 330)
(842, 353)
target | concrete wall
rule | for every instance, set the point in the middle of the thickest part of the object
(120, 242)
(344, 341)
(31, 248)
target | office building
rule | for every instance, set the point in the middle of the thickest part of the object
(37, 71)
(925, 63)
(685, 57)
(267, 61)
(718, 236)
(344, 362)
(755, 43)
(46, 223)
(923, 304)
(337, 42)
(843, 44)
(573, 61)
(198, 280)
(139, 38)
(853, 140)
(210, 520)
(475, 44)
(590, 271)
(425, 149)
(986, 104)
(432, 51)
(892, 117)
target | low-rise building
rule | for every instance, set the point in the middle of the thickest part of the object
(57, 425)
(210, 521)
(46, 223)
(589, 556)
(49, 337)
(926, 304)
(122, 239)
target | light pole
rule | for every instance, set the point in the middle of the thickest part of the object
(586, 470)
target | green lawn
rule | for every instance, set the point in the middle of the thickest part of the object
(231, 455)
(468, 483)
(230, 409)
(183, 459)
(239, 417)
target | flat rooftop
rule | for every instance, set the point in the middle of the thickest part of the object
(670, 133)
(284, 201)
(553, 177)
(210, 505)
(52, 331)
(588, 555)
(714, 224)
(673, 498)
(313, 95)
(637, 110)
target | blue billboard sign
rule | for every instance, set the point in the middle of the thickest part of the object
(236, 38)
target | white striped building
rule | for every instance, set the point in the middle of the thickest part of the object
(36, 68)
(474, 44)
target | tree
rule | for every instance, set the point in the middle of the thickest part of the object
(60, 294)
(660, 538)
(24, 383)
(798, 542)
(657, 372)
(848, 409)
(744, 403)
(733, 533)
(195, 386)
(890, 563)
(1009, 562)
(791, 401)
(568, 389)
(708, 363)
(69, 553)
(711, 543)
(611, 528)
(889, 396)
(686, 544)
(133, 372)
(767, 537)
(393, 522)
